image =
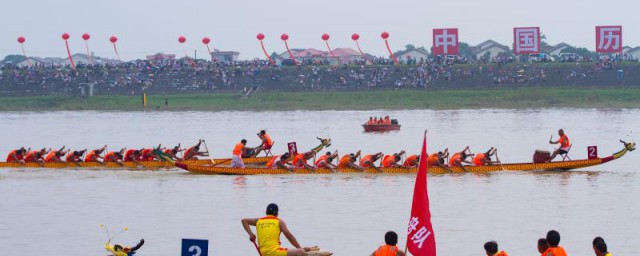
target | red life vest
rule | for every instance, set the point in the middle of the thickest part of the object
(272, 161)
(12, 154)
(387, 250)
(92, 156)
(128, 156)
(320, 159)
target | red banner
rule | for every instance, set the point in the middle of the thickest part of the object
(421, 240)
(526, 40)
(445, 41)
(609, 39)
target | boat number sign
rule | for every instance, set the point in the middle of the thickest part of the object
(592, 152)
(293, 148)
(195, 247)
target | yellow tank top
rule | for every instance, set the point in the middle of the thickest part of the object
(268, 229)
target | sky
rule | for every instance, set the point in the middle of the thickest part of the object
(145, 27)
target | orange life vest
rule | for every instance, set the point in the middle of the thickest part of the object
(92, 156)
(388, 160)
(128, 155)
(237, 150)
(273, 161)
(110, 157)
(564, 142)
(501, 253)
(555, 251)
(72, 158)
(299, 161)
(433, 159)
(52, 157)
(364, 159)
(188, 153)
(387, 250)
(410, 161)
(146, 155)
(12, 154)
(320, 159)
(454, 159)
(478, 160)
(32, 156)
(267, 141)
(344, 161)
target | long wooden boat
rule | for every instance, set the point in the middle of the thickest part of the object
(380, 127)
(560, 165)
(146, 164)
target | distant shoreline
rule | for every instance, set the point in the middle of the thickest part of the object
(476, 98)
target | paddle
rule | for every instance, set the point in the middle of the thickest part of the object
(208, 154)
(257, 249)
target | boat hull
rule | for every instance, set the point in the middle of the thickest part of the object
(146, 164)
(380, 127)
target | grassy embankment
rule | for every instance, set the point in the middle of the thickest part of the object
(575, 97)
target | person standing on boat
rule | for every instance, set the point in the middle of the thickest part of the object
(236, 157)
(324, 161)
(192, 153)
(75, 156)
(481, 159)
(564, 142)
(95, 155)
(16, 155)
(392, 160)
(491, 248)
(349, 161)
(269, 229)
(55, 156)
(460, 158)
(553, 238)
(390, 247)
(369, 161)
(300, 160)
(411, 161)
(266, 144)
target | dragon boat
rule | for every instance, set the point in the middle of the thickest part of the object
(559, 165)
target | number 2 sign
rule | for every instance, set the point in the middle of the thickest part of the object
(592, 152)
(195, 247)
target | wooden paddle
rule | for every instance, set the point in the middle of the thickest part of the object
(208, 154)
(256, 245)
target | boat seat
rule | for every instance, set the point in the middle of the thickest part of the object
(267, 151)
(565, 156)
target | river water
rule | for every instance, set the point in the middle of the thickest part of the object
(46, 212)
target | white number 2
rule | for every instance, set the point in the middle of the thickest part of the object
(592, 152)
(196, 250)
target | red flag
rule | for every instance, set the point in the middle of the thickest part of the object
(421, 240)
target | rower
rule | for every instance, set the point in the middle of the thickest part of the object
(300, 160)
(368, 161)
(16, 155)
(543, 246)
(35, 156)
(411, 161)
(392, 160)
(438, 159)
(390, 247)
(280, 162)
(349, 161)
(94, 156)
(131, 155)
(324, 161)
(172, 152)
(269, 229)
(600, 247)
(564, 142)
(192, 153)
(481, 159)
(553, 238)
(147, 154)
(119, 250)
(460, 158)
(491, 248)
(55, 156)
(266, 144)
(114, 157)
(75, 156)
(236, 157)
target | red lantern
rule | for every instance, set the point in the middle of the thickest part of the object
(65, 36)
(284, 37)
(182, 39)
(113, 39)
(325, 36)
(355, 36)
(384, 35)
(260, 36)
(21, 39)
(206, 40)
(86, 36)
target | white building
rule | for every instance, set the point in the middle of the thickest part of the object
(413, 54)
(489, 49)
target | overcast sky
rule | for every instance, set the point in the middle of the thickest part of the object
(149, 26)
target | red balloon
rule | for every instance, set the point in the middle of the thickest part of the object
(355, 36)
(325, 36)
(21, 39)
(206, 40)
(384, 35)
(284, 37)
(65, 36)
(182, 39)
(86, 36)
(113, 39)
(260, 36)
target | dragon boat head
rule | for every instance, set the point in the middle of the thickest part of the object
(325, 142)
(630, 146)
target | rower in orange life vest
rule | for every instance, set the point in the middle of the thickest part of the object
(16, 155)
(172, 152)
(280, 162)
(390, 248)
(269, 229)
(266, 144)
(411, 161)
(349, 161)
(238, 150)
(324, 161)
(564, 144)
(481, 159)
(458, 159)
(392, 160)
(491, 248)
(94, 156)
(553, 238)
(192, 153)
(114, 157)
(35, 156)
(55, 156)
(132, 155)
(147, 154)
(300, 160)
(75, 156)
(368, 161)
